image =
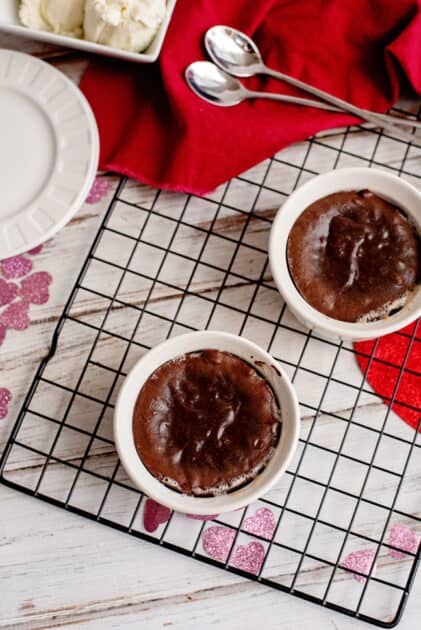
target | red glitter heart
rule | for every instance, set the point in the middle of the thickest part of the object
(198, 517)
(154, 515)
(262, 523)
(34, 288)
(15, 267)
(217, 542)
(384, 377)
(360, 561)
(16, 316)
(403, 538)
(99, 190)
(8, 292)
(3, 331)
(36, 250)
(5, 398)
(249, 557)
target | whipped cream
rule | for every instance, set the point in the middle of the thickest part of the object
(30, 15)
(124, 24)
(63, 17)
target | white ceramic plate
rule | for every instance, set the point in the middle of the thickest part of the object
(49, 151)
(10, 23)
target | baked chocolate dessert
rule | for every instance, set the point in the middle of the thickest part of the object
(353, 256)
(206, 423)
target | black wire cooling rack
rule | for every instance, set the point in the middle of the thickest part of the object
(166, 263)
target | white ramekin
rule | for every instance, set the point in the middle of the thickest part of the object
(386, 185)
(191, 342)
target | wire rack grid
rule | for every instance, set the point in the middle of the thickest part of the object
(164, 263)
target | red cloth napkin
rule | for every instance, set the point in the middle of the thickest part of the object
(153, 128)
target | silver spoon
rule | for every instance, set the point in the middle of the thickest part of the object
(237, 54)
(220, 88)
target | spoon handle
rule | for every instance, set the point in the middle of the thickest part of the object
(293, 100)
(296, 100)
(378, 119)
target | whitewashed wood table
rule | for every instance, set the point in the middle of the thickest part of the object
(59, 569)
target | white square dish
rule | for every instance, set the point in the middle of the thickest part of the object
(10, 23)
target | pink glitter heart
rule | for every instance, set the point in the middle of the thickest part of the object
(3, 331)
(154, 515)
(5, 398)
(262, 523)
(34, 288)
(16, 316)
(249, 557)
(99, 190)
(217, 542)
(404, 538)
(36, 250)
(362, 562)
(8, 292)
(15, 267)
(198, 517)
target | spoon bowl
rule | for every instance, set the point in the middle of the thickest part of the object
(214, 85)
(233, 51)
(217, 87)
